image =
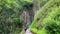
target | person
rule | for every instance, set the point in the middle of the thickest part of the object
(28, 26)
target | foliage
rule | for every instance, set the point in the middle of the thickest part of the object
(42, 31)
(52, 22)
(10, 11)
(49, 18)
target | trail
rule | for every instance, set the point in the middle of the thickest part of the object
(28, 31)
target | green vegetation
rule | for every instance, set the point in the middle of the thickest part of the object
(10, 11)
(47, 20)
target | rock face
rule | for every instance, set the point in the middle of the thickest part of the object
(28, 15)
(36, 6)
